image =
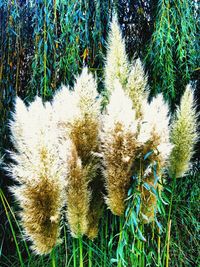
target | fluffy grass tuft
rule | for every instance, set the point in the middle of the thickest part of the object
(39, 172)
(154, 133)
(183, 134)
(119, 147)
(117, 65)
(80, 123)
(137, 87)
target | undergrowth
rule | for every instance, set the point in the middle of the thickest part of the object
(106, 250)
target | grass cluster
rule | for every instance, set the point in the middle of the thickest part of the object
(45, 43)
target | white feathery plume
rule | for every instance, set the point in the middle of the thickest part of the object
(65, 106)
(155, 126)
(137, 87)
(40, 170)
(117, 65)
(84, 130)
(85, 136)
(119, 110)
(85, 90)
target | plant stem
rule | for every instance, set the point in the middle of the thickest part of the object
(142, 247)
(159, 260)
(53, 260)
(80, 252)
(169, 216)
(106, 236)
(74, 251)
(168, 242)
(65, 239)
(102, 243)
(120, 237)
(139, 248)
(90, 254)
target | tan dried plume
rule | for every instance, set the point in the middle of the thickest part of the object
(82, 126)
(39, 171)
(119, 147)
(78, 195)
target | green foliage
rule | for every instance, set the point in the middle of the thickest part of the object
(136, 18)
(46, 43)
(185, 218)
(172, 54)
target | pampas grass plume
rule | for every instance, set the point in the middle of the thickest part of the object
(154, 135)
(80, 122)
(119, 146)
(85, 127)
(183, 134)
(137, 86)
(39, 172)
(117, 66)
(78, 195)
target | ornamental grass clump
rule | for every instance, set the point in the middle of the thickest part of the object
(79, 121)
(39, 172)
(183, 134)
(150, 137)
(119, 147)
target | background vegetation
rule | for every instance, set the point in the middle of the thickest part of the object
(45, 43)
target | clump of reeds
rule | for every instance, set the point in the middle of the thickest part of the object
(40, 173)
(183, 134)
(119, 146)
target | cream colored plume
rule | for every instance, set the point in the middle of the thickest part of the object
(117, 65)
(65, 106)
(40, 171)
(85, 127)
(183, 134)
(85, 90)
(119, 147)
(80, 122)
(137, 87)
(154, 137)
(154, 127)
(119, 110)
